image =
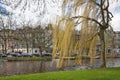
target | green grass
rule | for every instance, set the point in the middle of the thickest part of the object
(92, 74)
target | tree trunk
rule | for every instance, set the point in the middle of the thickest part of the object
(27, 46)
(102, 41)
(40, 50)
(5, 46)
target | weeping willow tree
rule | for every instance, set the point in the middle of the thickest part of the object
(93, 16)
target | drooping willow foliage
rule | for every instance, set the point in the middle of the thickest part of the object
(93, 17)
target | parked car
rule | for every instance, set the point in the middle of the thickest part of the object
(3, 55)
(47, 54)
(16, 54)
(26, 55)
(36, 54)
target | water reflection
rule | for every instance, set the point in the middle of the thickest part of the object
(14, 68)
(25, 67)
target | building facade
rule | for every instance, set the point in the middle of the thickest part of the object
(117, 42)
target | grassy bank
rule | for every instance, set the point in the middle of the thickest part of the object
(45, 58)
(93, 74)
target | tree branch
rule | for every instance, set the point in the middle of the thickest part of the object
(93, 36)
(94, 20)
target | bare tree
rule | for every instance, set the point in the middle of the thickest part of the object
(7, 24)
(42, 37)
(6, 31)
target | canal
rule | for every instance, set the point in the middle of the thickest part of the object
(25, 67)
(28, 67)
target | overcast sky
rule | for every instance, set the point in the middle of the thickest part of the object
(115, 9)
(47, 12)
(53, 10)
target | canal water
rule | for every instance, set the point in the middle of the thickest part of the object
(28, 67)
(25, 67)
